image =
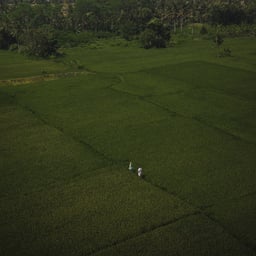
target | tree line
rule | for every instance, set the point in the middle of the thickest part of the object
(39, 27)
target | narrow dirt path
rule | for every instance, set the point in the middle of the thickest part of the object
(40, 78)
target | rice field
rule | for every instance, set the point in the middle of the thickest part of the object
(184, 115)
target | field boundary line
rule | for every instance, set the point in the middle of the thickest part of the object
(120, 161)
(249, 194)
(227, 65)
(198, 60)
(103, 248)
(203, 213)
(174, 113)
(236, 237)
(51, 185)
(87, 145)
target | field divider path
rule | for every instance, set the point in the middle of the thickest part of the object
(43, 77)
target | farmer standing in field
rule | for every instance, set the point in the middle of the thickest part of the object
(140, 172)
(130, 167)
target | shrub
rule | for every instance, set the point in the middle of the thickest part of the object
(148, 38)
(6, 40)
(225, 53)
(71, 39)
(218, 39)
(13, 47)
(203, 30)
(128, 30)
(42, 44)
(156, 35)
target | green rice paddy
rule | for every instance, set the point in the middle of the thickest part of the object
(184, 115)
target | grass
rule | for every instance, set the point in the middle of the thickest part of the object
(13, 65)
(230, 213)
(124, 60)
(76, 218)
(187, 237)
(30, 162)
(184, 115)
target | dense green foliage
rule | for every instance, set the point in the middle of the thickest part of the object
(100, 18)
(155, 35)
(188, 119)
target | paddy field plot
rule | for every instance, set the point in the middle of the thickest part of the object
(188, 119)
(15, 66)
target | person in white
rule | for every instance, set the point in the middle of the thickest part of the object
(140, 172)
(130, 167)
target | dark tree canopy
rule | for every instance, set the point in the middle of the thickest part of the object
(150, 20)
(156, 34)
